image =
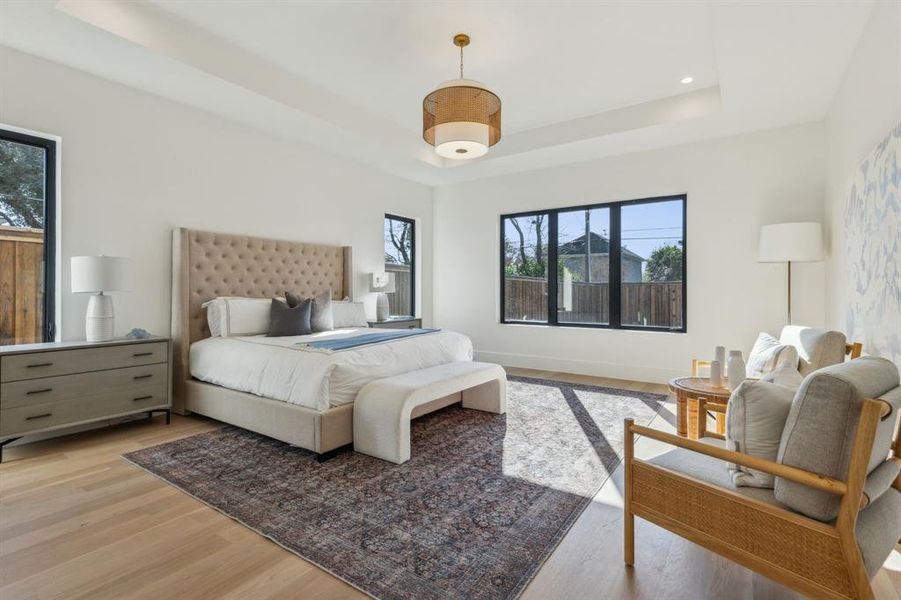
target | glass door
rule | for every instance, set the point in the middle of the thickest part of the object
(27, 204)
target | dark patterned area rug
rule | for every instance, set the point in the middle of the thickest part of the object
(480, 506)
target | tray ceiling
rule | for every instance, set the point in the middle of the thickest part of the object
(578, 80)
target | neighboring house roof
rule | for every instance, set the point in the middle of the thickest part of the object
(599, 245)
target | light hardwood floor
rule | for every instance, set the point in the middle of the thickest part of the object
(77, 521)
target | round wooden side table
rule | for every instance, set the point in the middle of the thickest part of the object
(688, 390)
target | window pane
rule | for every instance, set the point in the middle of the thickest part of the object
(400, 245)
(525, 268)
(22, 196)
(652, 262)
(583, 270)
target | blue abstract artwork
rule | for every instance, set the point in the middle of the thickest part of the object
(872, 236)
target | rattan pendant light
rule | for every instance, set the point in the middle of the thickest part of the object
(462, 117)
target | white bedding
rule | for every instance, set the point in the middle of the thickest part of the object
(274, 367)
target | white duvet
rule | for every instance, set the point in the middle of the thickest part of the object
(274, 367)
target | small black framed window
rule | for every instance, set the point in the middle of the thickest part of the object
(400, 264)
(619, 265)
(27, 237)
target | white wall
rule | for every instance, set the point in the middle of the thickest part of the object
(734, 186)
(866, 107)
(134, 166)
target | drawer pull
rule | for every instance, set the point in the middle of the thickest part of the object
(141, 398)
(43, 391)
(137, 354)
(43, 416)
(35, 366)
(149, 375)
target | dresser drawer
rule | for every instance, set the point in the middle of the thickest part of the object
(22, 419)
(66, 387)
(18, 367)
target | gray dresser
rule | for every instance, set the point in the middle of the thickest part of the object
(56, 385)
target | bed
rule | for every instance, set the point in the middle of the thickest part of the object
(272, 385)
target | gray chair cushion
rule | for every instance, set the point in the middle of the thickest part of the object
(879, 529)
(885, 433)
(881, 480)
(710, 470)
(817, 348)
(819, 431)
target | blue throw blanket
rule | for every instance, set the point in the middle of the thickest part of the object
(364, 339)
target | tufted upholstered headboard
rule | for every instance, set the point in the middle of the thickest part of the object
(207, 265)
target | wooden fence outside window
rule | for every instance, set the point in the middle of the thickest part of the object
(649, 304)
(399, 301)
(21, 285)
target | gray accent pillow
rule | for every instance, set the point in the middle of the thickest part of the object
(321, 318)
(289, 320)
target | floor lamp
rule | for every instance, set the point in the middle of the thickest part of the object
(788, 243)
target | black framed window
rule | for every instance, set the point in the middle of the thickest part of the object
(27, 238)
(618, 265)
(400, 264)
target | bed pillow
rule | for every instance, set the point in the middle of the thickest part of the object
(231, 316)
(287, 320)
(769, 354)
(321, 318)
(214, 316)
(349, 314)
(755, 419)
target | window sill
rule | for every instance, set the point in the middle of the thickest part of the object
(593, 327)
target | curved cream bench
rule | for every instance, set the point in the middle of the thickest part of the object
(383, 408)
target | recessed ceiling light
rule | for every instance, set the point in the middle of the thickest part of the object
(687, 80)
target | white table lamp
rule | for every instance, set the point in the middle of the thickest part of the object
(96, 275)
(383, 283)
(788, 243)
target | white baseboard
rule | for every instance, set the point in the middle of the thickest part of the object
(581, 367)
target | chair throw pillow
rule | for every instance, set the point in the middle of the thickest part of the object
(755, 419)
(768, 354)
(787, 376)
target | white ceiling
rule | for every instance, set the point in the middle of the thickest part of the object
(578, 80)
(550, 63)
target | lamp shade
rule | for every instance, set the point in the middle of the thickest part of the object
(794, 242)
(461, 119)
(382, 282)
(92, 274)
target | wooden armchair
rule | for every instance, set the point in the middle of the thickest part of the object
(718, 410)
(817, 558)
(805, 339)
